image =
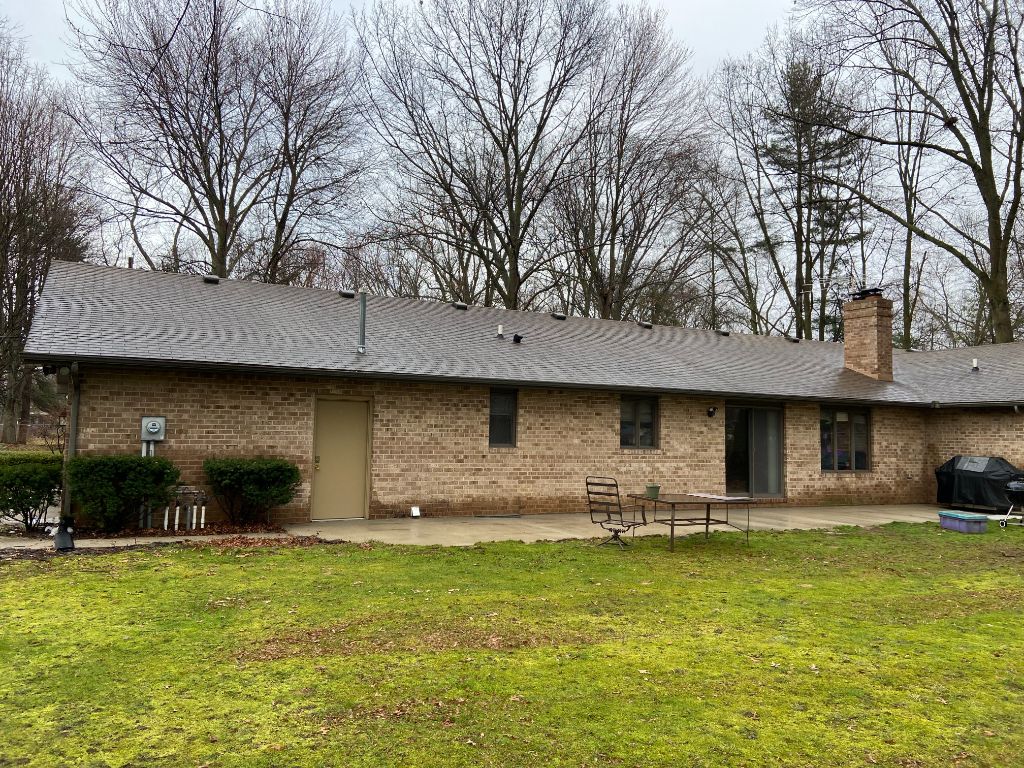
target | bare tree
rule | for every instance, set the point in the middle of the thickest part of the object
(309, 77)
(972, 98)
(41, 211)
(220, 124)
(733, 241)
(778, 113)
(624, 222)
(480, 103)
(912, 124)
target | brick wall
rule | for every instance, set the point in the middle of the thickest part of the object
(898, 460)
(979, 432)
(429, 441)
(430, 444)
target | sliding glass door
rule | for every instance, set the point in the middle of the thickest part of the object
(753, 450)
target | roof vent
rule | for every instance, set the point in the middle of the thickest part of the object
(645, 324)
(517, 339)
(211, 279)
(558, 315)
(721, 332)
(345, 293)
(791, 339)
(460, 305)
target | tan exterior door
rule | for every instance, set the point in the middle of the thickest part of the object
(340, 471)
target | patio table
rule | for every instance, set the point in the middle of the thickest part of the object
(672, 502)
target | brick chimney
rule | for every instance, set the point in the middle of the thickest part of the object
(867, 329)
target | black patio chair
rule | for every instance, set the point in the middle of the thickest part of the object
(607, 511)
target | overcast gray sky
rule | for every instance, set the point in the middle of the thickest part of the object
(712, 29)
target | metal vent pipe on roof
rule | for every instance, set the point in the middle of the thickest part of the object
(361, 349)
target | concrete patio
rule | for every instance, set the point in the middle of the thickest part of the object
(465, 531)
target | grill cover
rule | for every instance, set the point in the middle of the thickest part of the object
(976, 481)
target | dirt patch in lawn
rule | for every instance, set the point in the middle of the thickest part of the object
(440, 711)
(374, 635)
(952, 604)
(257, 542)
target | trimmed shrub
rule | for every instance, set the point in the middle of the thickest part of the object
(249, 488)
(111, 489)
(29, 484)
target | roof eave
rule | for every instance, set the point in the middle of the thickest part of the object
(147, 363)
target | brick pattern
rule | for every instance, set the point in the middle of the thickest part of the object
(429, 441)
(899, 466)
(867, 337)
(979, 432)
(430, 447)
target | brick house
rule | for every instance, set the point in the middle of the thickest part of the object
(471, 410)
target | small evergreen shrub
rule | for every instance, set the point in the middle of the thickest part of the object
(111, 489)
(29, 484)
(248, 488)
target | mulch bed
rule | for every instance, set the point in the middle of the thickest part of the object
(211, 529)
(7, 555)
(229, 542)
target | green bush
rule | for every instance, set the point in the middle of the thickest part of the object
(111, 489)
(249, 488)
(29, 484)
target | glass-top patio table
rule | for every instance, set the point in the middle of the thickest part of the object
(671, 502)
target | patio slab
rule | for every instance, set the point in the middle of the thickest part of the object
(466, 531)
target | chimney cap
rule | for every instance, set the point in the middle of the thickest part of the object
(865, 293)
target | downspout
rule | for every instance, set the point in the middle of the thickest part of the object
(72, 444)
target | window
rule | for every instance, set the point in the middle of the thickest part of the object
(845, 439)
(503, 418)
(638, 426)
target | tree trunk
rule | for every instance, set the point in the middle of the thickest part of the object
(12, 404)
(26, 406)
(908, 267)
(999, 302)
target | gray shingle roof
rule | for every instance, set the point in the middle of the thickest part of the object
(105, 314)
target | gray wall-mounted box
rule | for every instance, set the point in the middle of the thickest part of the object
(154, 428)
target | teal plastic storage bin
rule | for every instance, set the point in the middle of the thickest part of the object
(962, 522)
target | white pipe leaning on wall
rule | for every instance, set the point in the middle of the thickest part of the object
(167, 511)
(177, 511)
(202, 523)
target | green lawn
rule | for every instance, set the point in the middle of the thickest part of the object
(901, 646)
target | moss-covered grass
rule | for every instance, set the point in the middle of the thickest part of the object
(901, 646)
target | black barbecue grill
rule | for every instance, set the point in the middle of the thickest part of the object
(1015, 493)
